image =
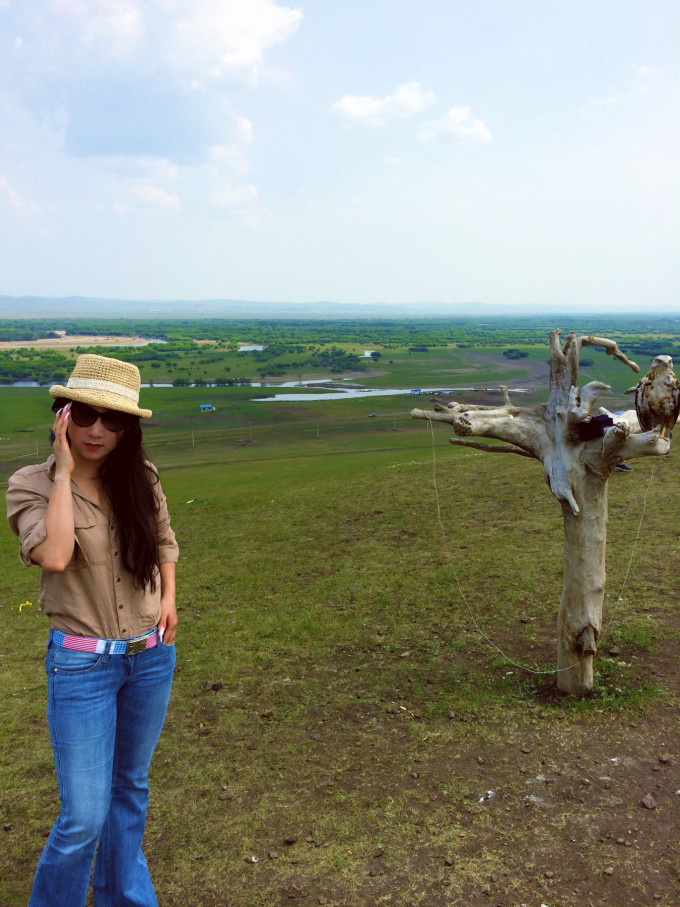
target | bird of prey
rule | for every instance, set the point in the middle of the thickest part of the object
(657, 397)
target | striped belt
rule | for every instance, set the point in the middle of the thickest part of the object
(132, 646)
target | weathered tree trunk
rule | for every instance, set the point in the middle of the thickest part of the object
(577, 461)
(580, 616)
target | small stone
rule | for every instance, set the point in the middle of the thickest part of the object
(377, 854)
(615, 651)
(309, 840)
(649, 802)
(549, 874)
(291, 839)
(480, 761)
(226, 796)
(322, 899)
(664, 759)
(609, 871)
(415, 775)
(448, 861)
(272, 854)
(526, 749)
(251, 860)
(450, 715)
(620, 841)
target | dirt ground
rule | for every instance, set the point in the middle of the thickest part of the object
(578, 811)
(69, 340)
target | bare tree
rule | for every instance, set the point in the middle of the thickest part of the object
(578, 453)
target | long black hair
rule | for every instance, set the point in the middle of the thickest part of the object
(128, 480)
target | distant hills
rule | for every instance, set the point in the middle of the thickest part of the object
(88, 307)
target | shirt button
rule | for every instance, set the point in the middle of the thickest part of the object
(118, 579)
(120, 607)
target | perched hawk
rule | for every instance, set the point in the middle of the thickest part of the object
(657, 397)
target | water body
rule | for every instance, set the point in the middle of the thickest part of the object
(370, 392)
(320, 393)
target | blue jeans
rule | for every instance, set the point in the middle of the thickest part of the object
(105, 714)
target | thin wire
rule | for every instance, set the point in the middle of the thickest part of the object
(479, 630)
(632, 553)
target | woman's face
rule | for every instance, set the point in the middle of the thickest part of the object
(94, 443)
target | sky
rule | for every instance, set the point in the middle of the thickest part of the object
(507, 152)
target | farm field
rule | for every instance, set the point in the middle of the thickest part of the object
(364, 709)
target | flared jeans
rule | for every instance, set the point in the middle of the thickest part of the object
(105, 714)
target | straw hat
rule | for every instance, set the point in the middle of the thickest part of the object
(101, 381)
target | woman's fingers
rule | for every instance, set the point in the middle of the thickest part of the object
(60, 446)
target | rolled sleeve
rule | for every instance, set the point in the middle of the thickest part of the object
(168, 549)
(26, 508)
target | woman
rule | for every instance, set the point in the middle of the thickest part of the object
(94, 518)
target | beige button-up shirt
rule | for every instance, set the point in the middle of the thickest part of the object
(94, 595)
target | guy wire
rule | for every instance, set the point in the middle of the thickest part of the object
(465, 601)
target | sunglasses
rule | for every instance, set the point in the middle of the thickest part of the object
(84, 416)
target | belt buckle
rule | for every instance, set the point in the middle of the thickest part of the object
(136, 646)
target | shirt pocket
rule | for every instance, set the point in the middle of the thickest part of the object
(91, 541)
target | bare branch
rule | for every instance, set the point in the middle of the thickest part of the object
(645, 444)
(591, 392)
(611, 349)
(440, 416)
(555, 349)
(492, 448)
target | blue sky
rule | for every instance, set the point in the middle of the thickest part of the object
(504, 151)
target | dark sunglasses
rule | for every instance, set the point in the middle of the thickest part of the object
(84, 416)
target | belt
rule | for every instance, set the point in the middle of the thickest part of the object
(132, 646)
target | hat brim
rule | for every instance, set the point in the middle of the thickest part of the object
(96, 397)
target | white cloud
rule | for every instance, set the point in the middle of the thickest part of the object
(230, 195)
(367, 110)
(109, 27)
(643, 80)
(228, 158)
(213, 37)
(153, 197)
(458, 125)
(203, 38)
(16, 200)
(144, 77)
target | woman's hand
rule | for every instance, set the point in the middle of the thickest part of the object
(168, 619)
(167, 623)
(54, 553)
(64, 464)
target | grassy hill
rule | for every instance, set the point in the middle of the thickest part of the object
(364, 709)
